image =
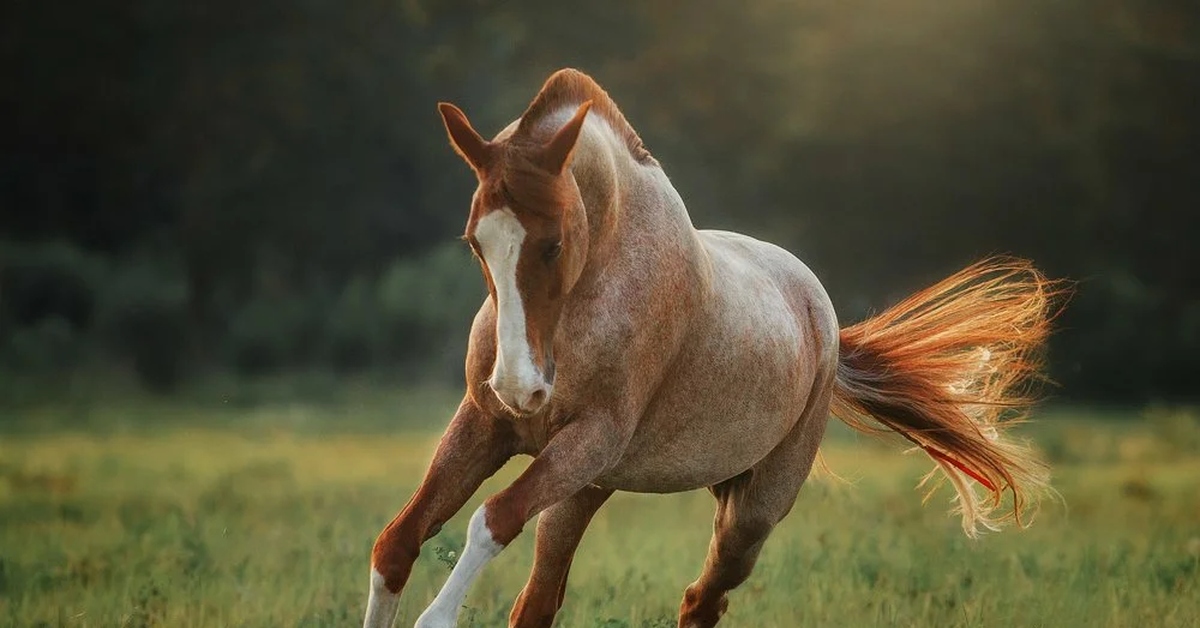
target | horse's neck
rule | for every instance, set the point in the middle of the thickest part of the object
(645, 280)
(636, 219)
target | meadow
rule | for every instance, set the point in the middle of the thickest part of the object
(224, 513)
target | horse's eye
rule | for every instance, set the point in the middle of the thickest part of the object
(553, 250)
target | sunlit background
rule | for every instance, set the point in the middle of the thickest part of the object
(242, 217)
(259, 187)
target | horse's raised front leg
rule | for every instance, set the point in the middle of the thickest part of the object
(578, 454)
(473, 448)
(559, 530)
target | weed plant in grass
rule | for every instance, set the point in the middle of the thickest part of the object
(260, 518)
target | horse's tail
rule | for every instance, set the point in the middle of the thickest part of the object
(949, 368)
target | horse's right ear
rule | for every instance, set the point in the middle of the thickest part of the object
(474, 149)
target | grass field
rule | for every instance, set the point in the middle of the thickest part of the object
(174, 514)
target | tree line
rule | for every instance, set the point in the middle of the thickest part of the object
(264, 186)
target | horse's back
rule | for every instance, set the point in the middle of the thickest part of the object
(738, 260)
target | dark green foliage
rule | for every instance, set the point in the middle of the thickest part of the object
(266, 333)
(416, 312)
(144, 319)
(52, 281)
(266, 186)
(43, 346)
(48, 299)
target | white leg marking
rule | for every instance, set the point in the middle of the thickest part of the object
(481, 548)
(381, 605)
(500, 236)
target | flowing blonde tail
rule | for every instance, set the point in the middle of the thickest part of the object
(949, 368)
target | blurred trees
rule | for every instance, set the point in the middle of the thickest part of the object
(266, 185)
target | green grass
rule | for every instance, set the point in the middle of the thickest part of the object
(226, 515)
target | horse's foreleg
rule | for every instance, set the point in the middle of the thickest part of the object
(578, 454)
(559, 531)
(473, 447)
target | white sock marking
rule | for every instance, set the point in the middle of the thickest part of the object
(381, 604)
(481, 548)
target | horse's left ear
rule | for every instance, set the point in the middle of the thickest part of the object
(556, 154)
(466, 141)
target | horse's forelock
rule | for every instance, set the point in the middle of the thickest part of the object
(527, 188)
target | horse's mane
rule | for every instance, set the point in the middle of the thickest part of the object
(568, 87)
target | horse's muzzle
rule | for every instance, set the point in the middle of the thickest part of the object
(523, 399)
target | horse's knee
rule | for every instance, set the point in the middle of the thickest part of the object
(393, 555)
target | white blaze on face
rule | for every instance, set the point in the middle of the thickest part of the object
(515, 376)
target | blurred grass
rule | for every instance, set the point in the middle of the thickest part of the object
(310, 401)
(204, 512)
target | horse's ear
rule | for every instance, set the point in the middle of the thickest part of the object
(473, 148)
(556, 154)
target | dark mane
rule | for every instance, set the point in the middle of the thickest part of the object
(571, 87)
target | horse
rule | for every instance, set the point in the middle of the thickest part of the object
(625, 350)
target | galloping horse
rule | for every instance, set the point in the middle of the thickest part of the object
(625, 350)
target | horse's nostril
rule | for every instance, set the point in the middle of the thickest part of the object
(537, 398)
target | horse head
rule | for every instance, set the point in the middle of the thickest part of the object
(528, 229)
